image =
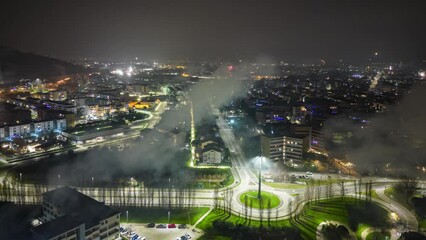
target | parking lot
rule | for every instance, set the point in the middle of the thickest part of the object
(162, 233)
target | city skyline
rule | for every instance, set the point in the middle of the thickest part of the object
(236, 120)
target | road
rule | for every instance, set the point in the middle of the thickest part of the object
(246, 179)
(403, 213)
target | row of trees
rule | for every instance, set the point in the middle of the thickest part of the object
(315, 191)
(140, 196)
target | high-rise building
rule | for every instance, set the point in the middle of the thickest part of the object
(286, 148)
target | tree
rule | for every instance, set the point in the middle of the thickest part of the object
(370, 190)
(342, 188)
(231, 194)
(261, 211)
(269, 211)
(355, 189)
(407, 186)
(359, 188)
(215, 198)
(251, 208)
(318, 191)
(245, 205)
(289, 209)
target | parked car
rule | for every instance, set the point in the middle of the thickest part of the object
(172, 225)
(135, 237)
(161, 226)
(150, 225)
(182, 226)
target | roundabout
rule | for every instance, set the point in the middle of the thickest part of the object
(268, 200)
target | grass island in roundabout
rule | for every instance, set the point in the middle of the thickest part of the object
(268, 200)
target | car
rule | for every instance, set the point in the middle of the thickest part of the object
(161, 226)
(182, 226)
(150, 225)
(171, 225)
(187, 236)
(182, 238)
(135, 237)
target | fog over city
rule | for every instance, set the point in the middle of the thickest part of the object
(395, 139)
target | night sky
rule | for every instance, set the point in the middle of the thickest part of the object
(293, 30)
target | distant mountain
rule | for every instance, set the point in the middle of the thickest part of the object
(16, 65)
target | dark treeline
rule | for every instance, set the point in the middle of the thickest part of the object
(138, 196)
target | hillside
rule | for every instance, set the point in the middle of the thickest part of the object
(15, 65)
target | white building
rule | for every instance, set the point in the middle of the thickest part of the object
(22, 130)
(211, 154)
(288, 149)
(18, 130)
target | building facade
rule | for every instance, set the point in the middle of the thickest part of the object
(98, 221)
(286, 149)
(40, 127)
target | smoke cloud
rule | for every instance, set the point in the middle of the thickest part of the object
(392, 143)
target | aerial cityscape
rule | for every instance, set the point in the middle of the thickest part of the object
(186, 119)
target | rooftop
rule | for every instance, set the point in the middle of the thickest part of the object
(80, 206)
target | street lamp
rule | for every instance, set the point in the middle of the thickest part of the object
(168, 216)
(127, 216)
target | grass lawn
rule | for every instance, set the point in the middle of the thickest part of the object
(266, 197)
(422, 224)
(361, 228)
(160, 215)
(348, 211)
(379, 236)
(207, 222)
(337, 209)
(374, 194)
(284, 185)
